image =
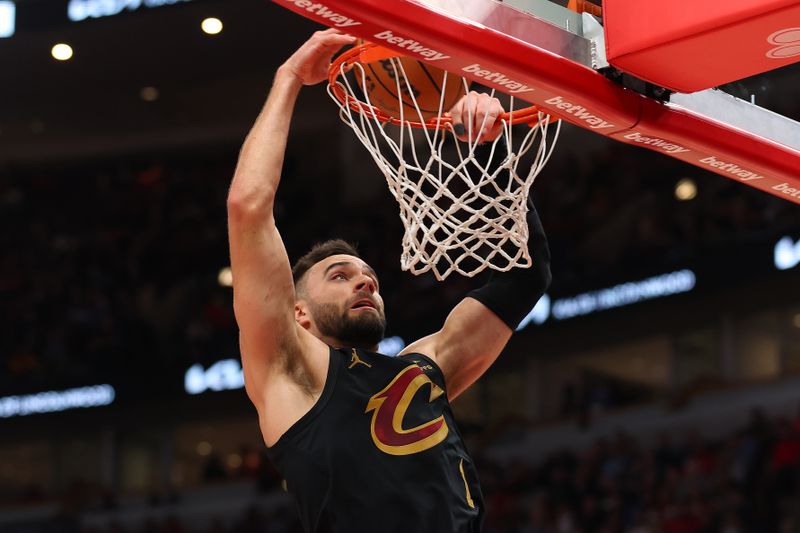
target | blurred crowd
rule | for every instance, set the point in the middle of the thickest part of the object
(746, 482)
(114, 267)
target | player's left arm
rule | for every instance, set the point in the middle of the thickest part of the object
(478, 328)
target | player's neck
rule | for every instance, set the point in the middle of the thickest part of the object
(342, 345)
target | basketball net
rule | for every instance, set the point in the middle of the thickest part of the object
(462, 211)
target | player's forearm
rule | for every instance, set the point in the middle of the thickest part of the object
(511, 295)
(258, 171)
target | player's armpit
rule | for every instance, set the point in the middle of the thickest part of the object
(469, 342)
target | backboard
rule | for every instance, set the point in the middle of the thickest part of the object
(543, 53)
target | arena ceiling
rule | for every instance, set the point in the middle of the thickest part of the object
(210, 87)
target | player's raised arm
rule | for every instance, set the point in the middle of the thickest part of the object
(478, 328)
(264, 297)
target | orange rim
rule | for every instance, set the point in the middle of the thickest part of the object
(369, 52)
(585, 6)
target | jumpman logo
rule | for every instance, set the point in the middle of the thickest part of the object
(354, 360)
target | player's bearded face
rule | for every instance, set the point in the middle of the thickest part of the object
(355, 328)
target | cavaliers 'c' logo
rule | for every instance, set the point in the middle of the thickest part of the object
(389, 407)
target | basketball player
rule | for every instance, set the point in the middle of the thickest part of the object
(366, 443)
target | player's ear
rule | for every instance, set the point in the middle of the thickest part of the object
(301, 315)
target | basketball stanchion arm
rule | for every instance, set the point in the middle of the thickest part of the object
(511, 295)
(705, 141)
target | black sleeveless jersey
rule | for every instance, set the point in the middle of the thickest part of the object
(380, 452)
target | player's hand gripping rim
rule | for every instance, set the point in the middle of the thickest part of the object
(309, 64)
(476, 117)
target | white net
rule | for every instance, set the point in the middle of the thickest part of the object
(463, 205)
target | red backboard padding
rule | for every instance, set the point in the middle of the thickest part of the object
(691, 45)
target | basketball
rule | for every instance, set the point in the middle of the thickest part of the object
(422, 84)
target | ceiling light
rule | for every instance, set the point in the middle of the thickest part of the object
(149, 94)
(225, 277)
(234, 460)
(211, 25)
(204, 448)
(686, 190)
(62, 52)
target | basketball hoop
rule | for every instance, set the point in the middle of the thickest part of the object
(462, 211)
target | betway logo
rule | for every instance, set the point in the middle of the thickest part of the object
(498, 78)
(656, 142)
(731, 168)
(787, 254)
(337, 19)
(579, 112)
(788, 191)
(410, 45)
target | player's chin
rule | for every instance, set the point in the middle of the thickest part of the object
(367, 328)
(368, 315)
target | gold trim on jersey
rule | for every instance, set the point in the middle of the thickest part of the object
(466, 485)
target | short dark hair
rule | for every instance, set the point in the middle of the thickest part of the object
(318, 252)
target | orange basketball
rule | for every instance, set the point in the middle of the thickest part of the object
(422, 83)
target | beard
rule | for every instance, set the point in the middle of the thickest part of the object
(365, 330)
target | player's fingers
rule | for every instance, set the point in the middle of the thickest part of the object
(457, 115)
(478, 118)
(331, 38)
(493, 132)
(470, 112)
(311, 61)
(484, 115)
(329, 31)
(332, 43)
(327, 44)
(338, 39)
(490, 130)
(492, 126)
(483, 121)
